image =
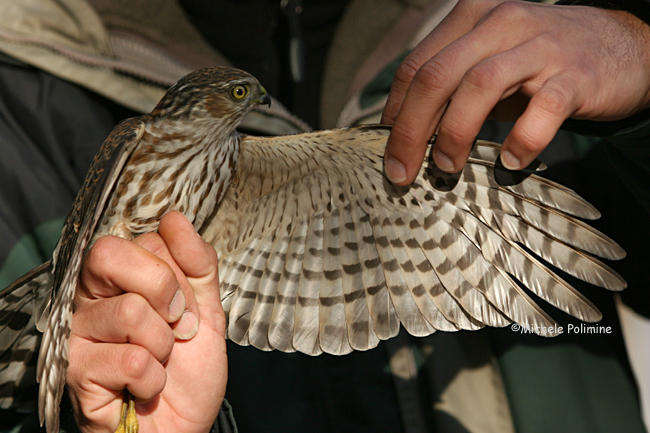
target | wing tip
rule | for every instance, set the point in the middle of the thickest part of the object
(618, 252)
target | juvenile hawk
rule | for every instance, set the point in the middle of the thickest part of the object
(318, 251)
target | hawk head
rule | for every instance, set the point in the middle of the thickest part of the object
(220, 92)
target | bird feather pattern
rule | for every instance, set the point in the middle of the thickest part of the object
(52, 360)
(18, 302)
(374, 256)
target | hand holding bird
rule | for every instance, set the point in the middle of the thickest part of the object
(120, 340)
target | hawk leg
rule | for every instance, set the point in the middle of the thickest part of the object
(128, 419)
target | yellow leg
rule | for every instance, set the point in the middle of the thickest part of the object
(128, 419)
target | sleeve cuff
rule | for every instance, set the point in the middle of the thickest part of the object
(225, 422)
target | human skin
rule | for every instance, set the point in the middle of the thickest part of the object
(126, 332)
(533, 63)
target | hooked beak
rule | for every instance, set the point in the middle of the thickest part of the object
(263, 98)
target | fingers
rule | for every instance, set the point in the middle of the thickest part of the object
(585, 63)
(482, 87)
(198, 262)
(118, 366)
(147, 267)
(115, 265)
(128, 318)
(194, 256)
(459, 21)
(121, 335)
(99, 372)
(188, 324)
(536, 127)
(431, 88)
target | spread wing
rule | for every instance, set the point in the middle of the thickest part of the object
(319, 253)
(76, 236)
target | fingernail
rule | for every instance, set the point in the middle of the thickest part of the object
(395, 170)
(177, 306)
(510, 161)
(187, 326)
(443, 162)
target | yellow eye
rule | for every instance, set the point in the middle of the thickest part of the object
(239, 92)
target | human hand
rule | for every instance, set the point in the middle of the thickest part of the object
(536, 63)
(122, 337)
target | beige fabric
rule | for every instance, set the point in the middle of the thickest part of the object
(70, 23)
(123, 53)
(462, 376)
(409, 29)
(68, 39)
(152, 20)
(364, 23)
(467, 379)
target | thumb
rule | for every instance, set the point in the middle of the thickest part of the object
(198, 261)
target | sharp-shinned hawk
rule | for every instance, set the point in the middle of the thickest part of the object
(318, 252)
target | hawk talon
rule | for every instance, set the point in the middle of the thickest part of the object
(128, 417)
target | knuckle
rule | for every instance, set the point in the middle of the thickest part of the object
(552, 100)
(131, 309)
(485, 75)
(135, 361)
(527, 140)
(406, 71)
(99, 257)
(583, 76)
(432, 76)
(511, 10)
(453, 132)
(548, 42)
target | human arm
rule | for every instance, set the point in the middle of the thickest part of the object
(538, 64)
(121, 336)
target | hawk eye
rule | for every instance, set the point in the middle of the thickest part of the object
(239, 92)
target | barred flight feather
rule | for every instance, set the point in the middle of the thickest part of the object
(348, 257)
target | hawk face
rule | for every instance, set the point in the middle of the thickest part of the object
(222, 93)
